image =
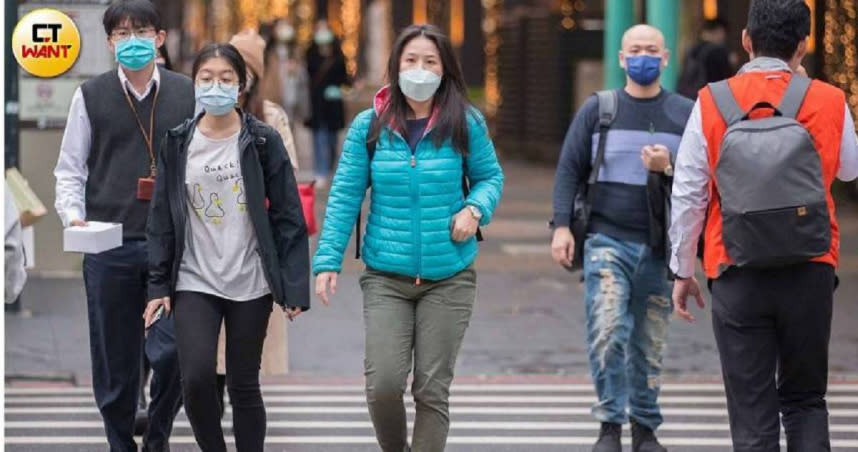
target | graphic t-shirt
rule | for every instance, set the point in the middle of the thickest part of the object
(221, 256)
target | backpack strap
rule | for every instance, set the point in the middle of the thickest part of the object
(370, 153)
(726, 102)
(607, 114)
(794, 96)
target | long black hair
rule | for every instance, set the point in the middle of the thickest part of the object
(450, 101)
(227, 52)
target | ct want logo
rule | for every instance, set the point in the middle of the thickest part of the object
(46, 43)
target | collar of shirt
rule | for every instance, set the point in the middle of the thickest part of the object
(765, 64)
(156, 78)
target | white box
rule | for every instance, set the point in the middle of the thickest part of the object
(95, 237)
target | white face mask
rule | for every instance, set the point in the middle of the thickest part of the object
(284, 33)
(323, 37)
(419, 84)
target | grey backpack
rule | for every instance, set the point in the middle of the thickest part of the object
(769, 179)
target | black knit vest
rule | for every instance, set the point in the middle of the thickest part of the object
(118, 155)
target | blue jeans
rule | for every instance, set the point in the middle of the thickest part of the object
(324, 150)
(628, 311)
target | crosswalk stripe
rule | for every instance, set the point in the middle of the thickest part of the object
(544, 400)
(833, 388)
(474, 440)
(455, 425)
(494, 410)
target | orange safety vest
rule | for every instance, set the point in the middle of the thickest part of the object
(822, 114)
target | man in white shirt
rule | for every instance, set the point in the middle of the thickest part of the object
(770, 270)
(106, 173)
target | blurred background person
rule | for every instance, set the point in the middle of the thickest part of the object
(16, 274)
(708, 61)
(326, 66)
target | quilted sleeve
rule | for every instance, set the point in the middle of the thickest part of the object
(484, 171)
(347, 194)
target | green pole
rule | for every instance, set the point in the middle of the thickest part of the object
(664, 15)
(619, 16)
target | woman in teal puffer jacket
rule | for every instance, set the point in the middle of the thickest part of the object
(420, 245)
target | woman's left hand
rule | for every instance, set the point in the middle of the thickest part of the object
(464, 225)
(292, 313)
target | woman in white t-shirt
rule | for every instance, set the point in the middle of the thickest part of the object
(217, 254)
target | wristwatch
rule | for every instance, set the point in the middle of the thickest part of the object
(668, 171)
(475, 212)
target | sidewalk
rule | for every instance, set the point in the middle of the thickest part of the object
(528, 319)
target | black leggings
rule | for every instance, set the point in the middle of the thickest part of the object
(198, 320)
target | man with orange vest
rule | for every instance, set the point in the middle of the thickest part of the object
(756, 164)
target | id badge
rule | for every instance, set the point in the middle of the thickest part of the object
(145, 188)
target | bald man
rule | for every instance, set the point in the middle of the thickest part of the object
(625, 272)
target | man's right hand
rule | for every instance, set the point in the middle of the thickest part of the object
(78, 223)
(563, 246)
(323, 281)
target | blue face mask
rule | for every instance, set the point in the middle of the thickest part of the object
(643, 69)
(135, 53)
(217, 99)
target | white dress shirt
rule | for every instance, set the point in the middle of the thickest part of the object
(71, 170)
(690, 197)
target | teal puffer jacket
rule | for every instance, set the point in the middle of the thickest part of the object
(411, 209)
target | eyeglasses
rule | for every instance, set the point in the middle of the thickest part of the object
(206, 85)
(121, 34)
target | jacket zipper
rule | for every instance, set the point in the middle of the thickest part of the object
(181, 170)
(416, 203)
(415, 221)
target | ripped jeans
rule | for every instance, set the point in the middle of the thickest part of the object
(628, 311)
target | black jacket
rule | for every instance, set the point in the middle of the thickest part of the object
(325, 72)
(280, 231)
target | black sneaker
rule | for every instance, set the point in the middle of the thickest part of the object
(644, 440)
(609, 438)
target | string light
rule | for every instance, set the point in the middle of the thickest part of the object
(457, 22)
(280, 8)
(710, 9)
(335, 19)
(811, 43)
(841, 55)
(420, 15)
(249, 13)
(305, 10)
(222, 25)
(350, 11)
(491, 30)
(567, 10)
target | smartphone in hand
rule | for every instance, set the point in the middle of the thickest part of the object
(157, 316)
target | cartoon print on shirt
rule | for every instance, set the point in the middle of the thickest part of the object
(197, 201)
(215, 209)
(241, 197)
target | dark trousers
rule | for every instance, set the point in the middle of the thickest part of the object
(772, 329)
(198, 319)
(116, 297)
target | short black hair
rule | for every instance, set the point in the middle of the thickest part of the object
(141, 13)
(227, 52)
(776, 27)
(715, 24)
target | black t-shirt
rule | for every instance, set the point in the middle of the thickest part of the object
(416, 128)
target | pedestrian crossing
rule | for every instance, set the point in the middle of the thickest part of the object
(503, 417)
